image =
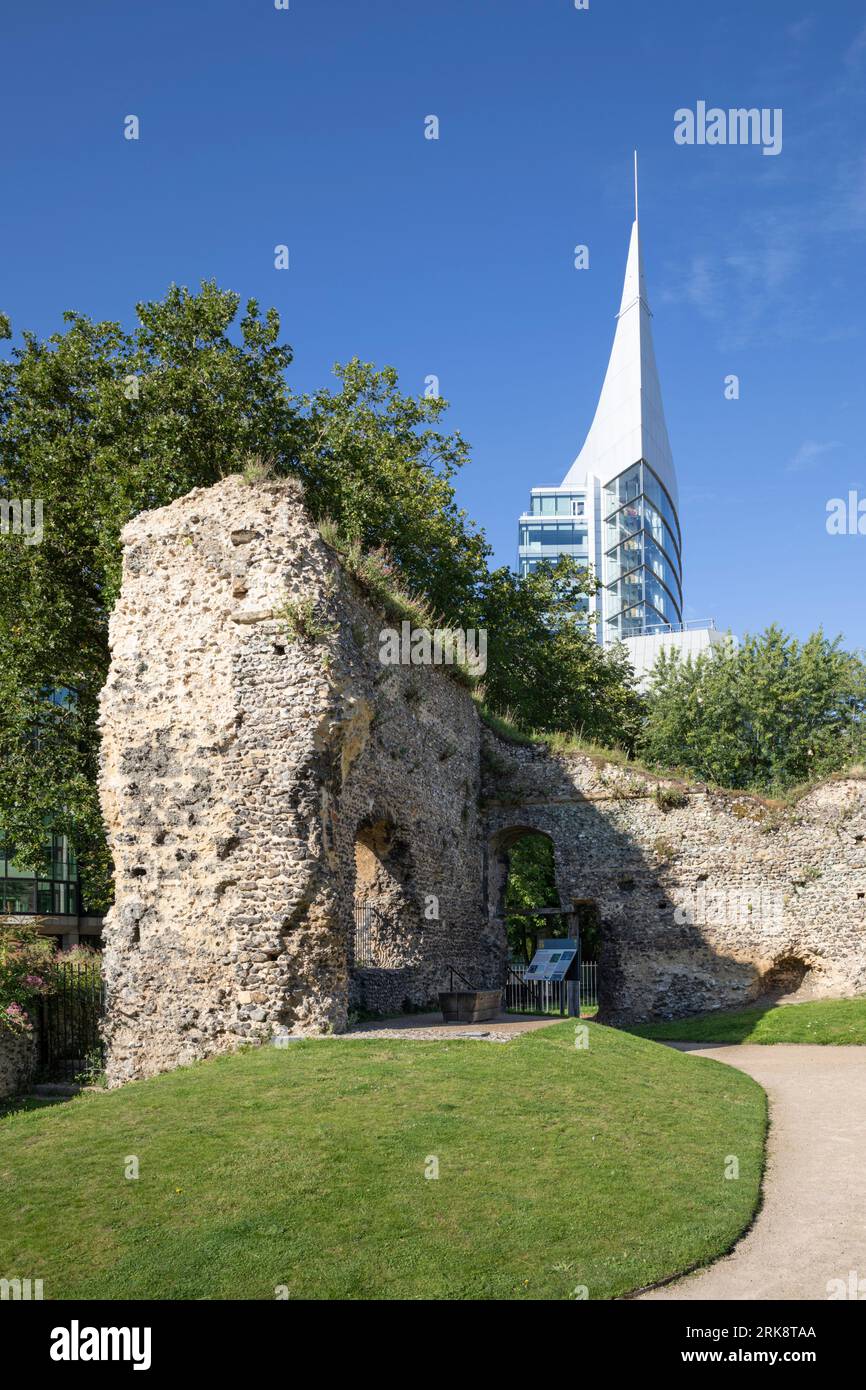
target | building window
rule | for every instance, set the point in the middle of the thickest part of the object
(22, 892)
(555, 536)
(641, 570)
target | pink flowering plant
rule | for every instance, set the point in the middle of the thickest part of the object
(27, 970)
(80, 955)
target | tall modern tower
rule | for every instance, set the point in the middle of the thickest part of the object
(617, 508)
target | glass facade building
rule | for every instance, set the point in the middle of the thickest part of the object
(616, 508)
(54, 895)
(554, 525)
(641, 568)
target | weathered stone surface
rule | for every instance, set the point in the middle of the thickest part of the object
(17, 1062)
(255, 784)
(239, 767)
(706, 899)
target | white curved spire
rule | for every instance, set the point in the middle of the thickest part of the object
(629, 422)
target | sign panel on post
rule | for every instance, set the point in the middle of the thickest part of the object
(552, 965)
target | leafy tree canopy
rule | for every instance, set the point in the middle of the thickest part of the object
(531, 883)
(372, 461)
(767, 714)
(544, 665)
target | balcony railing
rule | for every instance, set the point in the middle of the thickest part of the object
(694, 625)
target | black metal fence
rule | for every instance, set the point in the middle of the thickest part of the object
(366, 924)
(70, 1043)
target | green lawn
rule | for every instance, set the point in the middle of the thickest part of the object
(558, 1167)
(824, 1021)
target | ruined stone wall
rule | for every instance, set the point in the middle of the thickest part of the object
(263, 773)
(409, 783)
(17, 1061)
(707, 900)
(249, 731)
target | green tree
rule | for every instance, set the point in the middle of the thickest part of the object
(545, 668)
(766, 715)
(372, 462)
(102, 424)
(531, 883)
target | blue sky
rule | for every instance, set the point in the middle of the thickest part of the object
(455, 257)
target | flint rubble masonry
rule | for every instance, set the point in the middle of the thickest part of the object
(17, 1061)
(255, 784)
(238, 766)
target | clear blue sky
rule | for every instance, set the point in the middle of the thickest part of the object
(454, 257)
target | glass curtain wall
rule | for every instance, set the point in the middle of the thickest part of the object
(642, 567)
(57, 895)
(556, 525)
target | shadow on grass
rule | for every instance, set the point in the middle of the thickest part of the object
(735, 1027)
(14, 1105)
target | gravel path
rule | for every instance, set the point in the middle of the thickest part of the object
(430, 1028)
(812, 1226)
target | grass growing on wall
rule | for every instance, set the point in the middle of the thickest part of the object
(377, 576)
(558, 1167)
(821, 1021)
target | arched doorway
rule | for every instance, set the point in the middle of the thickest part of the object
(521, 888)
(531, 902)
(386, 914)
(386, 946)
(528, 897)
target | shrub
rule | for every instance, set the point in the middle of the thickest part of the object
(80, 955)
(27, 970)
(671, 798)
(664, 849)
(302, 621)
(766, 715)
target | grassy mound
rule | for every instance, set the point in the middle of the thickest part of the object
(822, 1021)
(559, 1167)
